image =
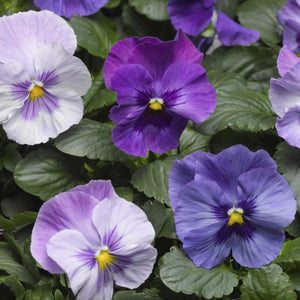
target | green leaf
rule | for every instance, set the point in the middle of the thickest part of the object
(46, 173)
(179, 273)
(294, 228)
(94, 34)
(169, 230)
(6, 224)
(242, 110)
(142, 26)
(98, 95)
(290, 251)
(14, 285)
(288, 161)
(191, 141)
(112, 3)
(125, 192)
(261, 16)
(156, 214)
(267, 283)
(91, 139)
(226, 81)
(132, 295)
(152, 179)
(9, 264)
(256, 64)
(154, 9)
(11, 157)
(228, 7)
(39, 293)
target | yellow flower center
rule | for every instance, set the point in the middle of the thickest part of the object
(235, 216)
(156, 103)
(104, 258)
(36, 92)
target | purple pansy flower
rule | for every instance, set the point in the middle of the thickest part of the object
(41, 82)
(67, 8)
(233, 201)
(96, 238)
(194, 16)
(284, 95)
(160, 86)
(289, 17)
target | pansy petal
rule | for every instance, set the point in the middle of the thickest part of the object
(289, 128)
(286, 60)
(14, 83)
(100, 189)
(272, 197)
(261, 249)
(185, 50)
(126, 114)
(25, 32)
(196, 98)
(74, 254)
(129, 81)
(128, 220)
(142, 259)
(284, 92)
(67, 8)
(45, 117)
(162, 135)
(119, 54)
(129, 140)
(191, 16)
(231, 33)
(70, 210)
(70, 72)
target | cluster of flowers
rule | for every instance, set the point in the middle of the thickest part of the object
(234, 201)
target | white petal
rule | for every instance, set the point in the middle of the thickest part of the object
(71, 71)
(74, 254)
(22, 33)
(46, 125)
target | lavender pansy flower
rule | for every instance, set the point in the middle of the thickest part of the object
(67, 8)
(160, 86)
(233, 201)
(41, 82)
(289, 17)
(194, 16)
(284, 95)
(96, 238)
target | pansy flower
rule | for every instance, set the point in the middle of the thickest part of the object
(289, 17)
(96, 238)
(233, 201)
(194, 16)
(66, 8)
(284, 95)
(41, 82)
(160, 86)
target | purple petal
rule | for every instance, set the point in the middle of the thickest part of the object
(231, 33)
(284, 92)
(99, 189)
(191, 16)
(289, 126)
(196, 97)
(286, 60)
(271, 196)
(67, 8)
(74, 254)
(25, 32)
(291, 24)
(129, 221)
(185, 50)
(129, 81)
(261, 249)
(69, 210)
(119, 54)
